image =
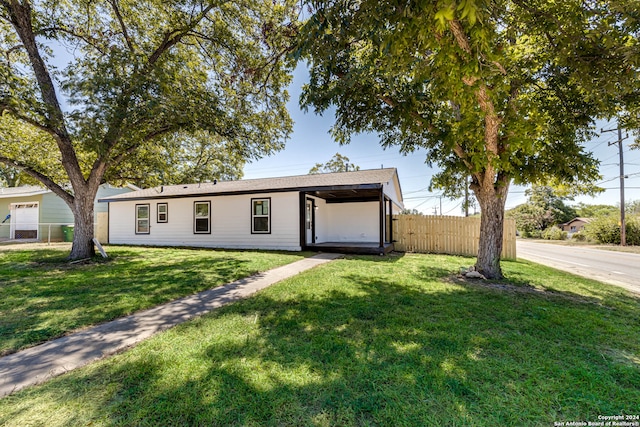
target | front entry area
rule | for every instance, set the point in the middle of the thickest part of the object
(346, 220)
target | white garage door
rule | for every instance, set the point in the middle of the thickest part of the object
(24, 221)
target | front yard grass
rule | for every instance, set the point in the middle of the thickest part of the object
(371, 341)
(42, 296)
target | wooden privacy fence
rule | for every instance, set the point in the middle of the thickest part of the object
(446, 235)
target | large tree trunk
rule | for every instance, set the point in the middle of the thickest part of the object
(492, 202)
(81, 203)
(82, 208)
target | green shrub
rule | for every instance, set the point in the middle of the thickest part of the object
(531, 234)
(607, 230)
(579, 237)
(554, 233)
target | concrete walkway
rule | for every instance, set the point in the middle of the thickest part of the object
(37, 364)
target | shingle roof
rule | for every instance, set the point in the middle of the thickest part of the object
(299, 182)
(579, 218)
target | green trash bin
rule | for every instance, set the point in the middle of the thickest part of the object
(67, 233)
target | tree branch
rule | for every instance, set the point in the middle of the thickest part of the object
(148, 137)
(459, 35)
(88, 40)
(50, 184)
(20, 15)
(459, 151)
(171, 38)
(4, 108)
(394, 104)
(123, 27)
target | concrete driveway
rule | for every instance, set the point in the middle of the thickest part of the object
(617, 268)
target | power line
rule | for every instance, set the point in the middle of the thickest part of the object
(601, 142)
(607, 180)
(618, 188)
(450, 210)
(422, 197)
(416, 191)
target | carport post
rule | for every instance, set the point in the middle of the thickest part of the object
(381, 218)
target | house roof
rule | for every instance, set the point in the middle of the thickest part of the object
(362, 179)
(34, 190)
(585, 220)
(25, 190)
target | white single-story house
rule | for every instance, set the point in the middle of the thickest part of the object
(347, 211)
(34, 212)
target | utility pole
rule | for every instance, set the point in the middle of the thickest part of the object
(623, 225)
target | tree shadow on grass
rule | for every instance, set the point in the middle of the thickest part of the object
(63, 301)
(378, 353)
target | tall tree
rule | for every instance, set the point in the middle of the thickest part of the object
(338, 163)
(493, 90)
(140, 72)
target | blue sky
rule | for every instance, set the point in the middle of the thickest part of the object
(311, 143)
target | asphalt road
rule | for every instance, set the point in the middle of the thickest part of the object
(617, 268)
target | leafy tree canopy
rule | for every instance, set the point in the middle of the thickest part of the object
(413, 211)
(181, 158)
(501, 91)
(191, 83)
(593, 211)
(338, 163)
(543, 209)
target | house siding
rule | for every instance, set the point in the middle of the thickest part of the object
(5, 229)
(230, 223)
(392, 191)
(353, 222)
(578, 226)
(54, 211)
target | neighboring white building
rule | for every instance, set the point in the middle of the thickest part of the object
(348, 211)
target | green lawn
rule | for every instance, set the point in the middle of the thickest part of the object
(43, 297)
(368, 341)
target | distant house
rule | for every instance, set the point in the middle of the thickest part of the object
(33, 212)
(575, 225)
(348, 212)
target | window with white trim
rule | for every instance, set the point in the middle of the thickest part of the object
(261, 216)
(142, 219)
(202, 217)
(163, 212)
